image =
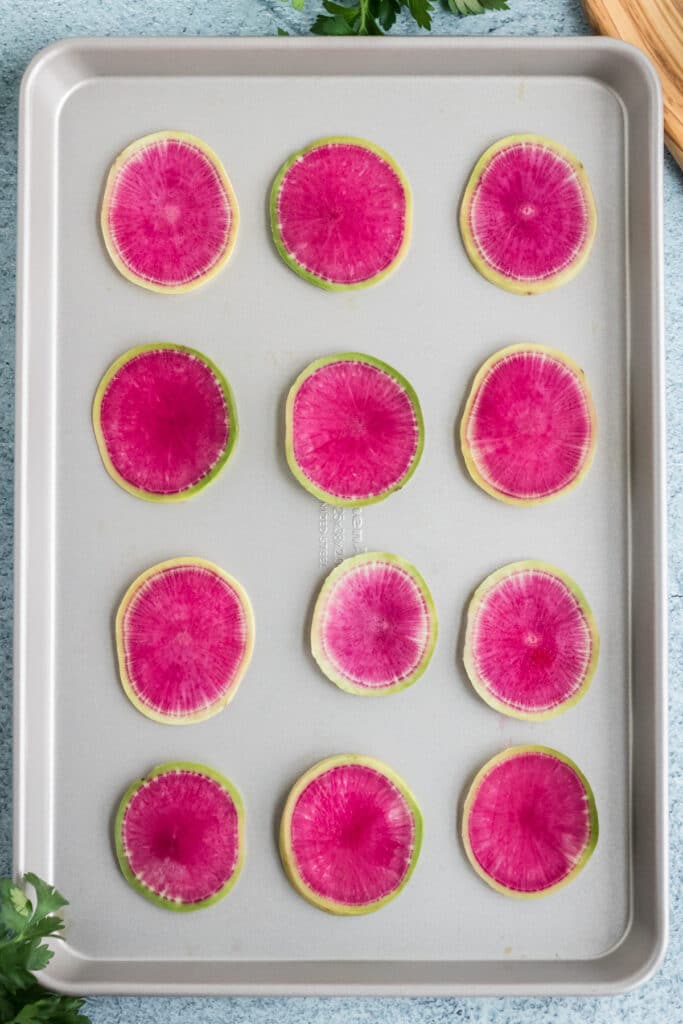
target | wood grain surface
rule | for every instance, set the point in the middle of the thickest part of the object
(656, 27)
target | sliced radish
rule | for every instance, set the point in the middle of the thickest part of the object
(529, 428)
(528, 216)
(169, 214)
(179, 835)
(530, 822)
(165, 421)
(350, 834)
(184, 636)
(341, 213)
(354, 429)
(374, 625)
(531, 646)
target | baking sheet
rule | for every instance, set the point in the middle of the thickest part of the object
(435, 107)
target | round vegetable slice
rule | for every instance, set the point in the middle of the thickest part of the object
(350, 834)
(531, 644)
(341, 213)
(165, 421)
(179, 835)
(169, 213)
(530, 822)
(374, 625)
(354, 429)
(528, 217)
(529, 428)
(184, 639)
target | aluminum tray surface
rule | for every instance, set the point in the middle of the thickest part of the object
(81, 540)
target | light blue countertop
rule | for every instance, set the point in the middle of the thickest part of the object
(29, 25)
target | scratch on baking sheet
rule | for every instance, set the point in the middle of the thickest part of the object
(338, 534)
(357, 531)
(323, 533)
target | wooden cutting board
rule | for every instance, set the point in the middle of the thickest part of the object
(656, 27)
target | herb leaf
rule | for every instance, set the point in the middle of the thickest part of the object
(421, 11)
(386, 13)
(51, 1010)
(47, 901)
(333, 25)
(15, 907)
(477, 6)
(368, 17)
(375, 17)
(23, 926)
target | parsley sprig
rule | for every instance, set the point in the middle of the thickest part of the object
(23, 927)
(375, 17)
(477, 6)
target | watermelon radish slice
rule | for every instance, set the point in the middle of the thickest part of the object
(374, 625)
(529, 427)
(165, 421)
(341, 213)
(179, 835)
(530, 822)
(528, 217)
(531, 644)
(354, 429)
(184, 639)
(350, 834)
(169, 214)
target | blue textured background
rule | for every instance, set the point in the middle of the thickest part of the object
(27, 26)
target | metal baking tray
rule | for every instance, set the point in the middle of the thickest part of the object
(435, 105)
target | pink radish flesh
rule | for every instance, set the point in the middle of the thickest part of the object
(355, 430)
(341, 211)
(169, 216)
(528, 214)
(531, 641)
(184, 635)
(164, 420)
(530, 430)
(180, 835)
(375, 625)
(529, 823)
(352, 835)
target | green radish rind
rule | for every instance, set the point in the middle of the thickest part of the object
(318, 649)
(231, 410)
(203, 713)
(284, 253)
(472, 249)
(480, 378)
(318, 492)
(509, 754)
(287, 853)
(468, 653)
(134, 881)
(110, 245)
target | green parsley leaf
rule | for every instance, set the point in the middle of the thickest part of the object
(336, 25)
(51, 1010)
(15, 907)
(477, 6)
(47, 898)
(38, 957)
(23, 926)
(350, 14)
(421, 11)
(13, 971)
(375, 17)
(387, 11)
